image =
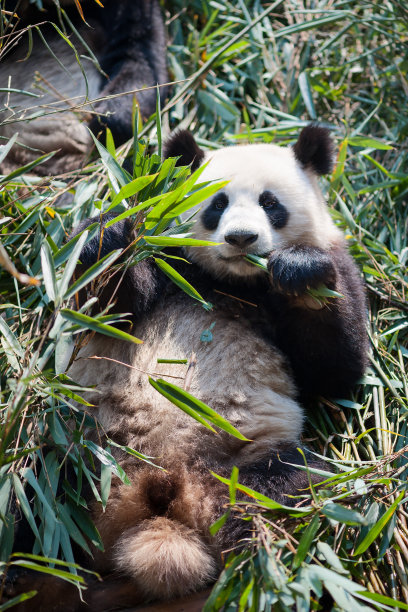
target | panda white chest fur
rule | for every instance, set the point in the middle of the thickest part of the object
(238, 373)
(269, 349)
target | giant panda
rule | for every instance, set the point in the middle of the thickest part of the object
(272, 347)
(44, 89)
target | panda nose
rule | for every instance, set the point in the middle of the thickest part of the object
(240, 239)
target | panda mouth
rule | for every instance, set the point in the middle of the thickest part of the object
(240, 257)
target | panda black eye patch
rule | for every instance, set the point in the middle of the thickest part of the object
(277, 213)
(213, 212)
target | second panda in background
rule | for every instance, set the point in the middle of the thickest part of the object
(270, 347)
(49, 85)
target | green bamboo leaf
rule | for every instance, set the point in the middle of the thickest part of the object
(110, 162)
(383, 599)
(53, 571)
(95, 270)
(378, 527)
(106, 481)
(4, 149)
(245, 594)
(16, 600)
(27, 168)
(264, 500)
(261, 262)
(181, 361)
(51, 560)
(177, 241)
(25, 506)
(10, 339)
(194, 407)
(71, 264)
(131, 189)
(365, 141)
(48, 270)
(339, 513)
(28, 474)
(197, 197)
(306, 541)
(86, 322)
(323, 291)
(181, 282)
(106, 458)
(326, 550)
(306, 92)
(71, 527)
(181, 404)
(219, 593)
(215, 527)
(135, 453)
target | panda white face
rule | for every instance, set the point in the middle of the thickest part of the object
(269, 203)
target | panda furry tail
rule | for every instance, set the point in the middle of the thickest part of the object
(164, 558)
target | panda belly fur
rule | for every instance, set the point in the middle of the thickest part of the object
(157, 531)
(240, 375)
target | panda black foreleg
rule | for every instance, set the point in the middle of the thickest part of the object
(133, 291)
(327, 344)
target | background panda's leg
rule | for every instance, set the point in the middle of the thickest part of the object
(138, 288)
(134, 58)
(327, 347)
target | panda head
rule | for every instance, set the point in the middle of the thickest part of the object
(272, 199)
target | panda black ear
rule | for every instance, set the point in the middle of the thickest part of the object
(314, 149)
(183, 145)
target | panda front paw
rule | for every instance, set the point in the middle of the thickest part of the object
(295, 269)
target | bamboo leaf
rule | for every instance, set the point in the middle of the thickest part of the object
(181, 282)
(378, 527)
(86, 322)
(194, 407)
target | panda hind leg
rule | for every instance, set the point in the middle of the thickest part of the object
(282, 475)
(156, 533)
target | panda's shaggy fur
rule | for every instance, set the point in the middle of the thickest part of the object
(127, 39)
(272, 346)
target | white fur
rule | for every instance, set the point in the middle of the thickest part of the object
(165, 558)
(251, 170)
(239, 374)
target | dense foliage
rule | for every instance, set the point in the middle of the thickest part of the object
(244, 72)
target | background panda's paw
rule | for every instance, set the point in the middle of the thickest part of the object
(297, 268)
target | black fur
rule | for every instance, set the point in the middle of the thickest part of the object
(314, 149)
(213, 213)
(183, 145)
(277, 213)
(131, 52)
(137, 289)
(133, 58)
(327, 348)
(298, 268)
(279, 478)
